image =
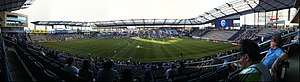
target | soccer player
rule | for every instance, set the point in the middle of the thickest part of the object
(180, 54)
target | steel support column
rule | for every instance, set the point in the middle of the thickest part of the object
(289, 14)
(257, 19)
(254, 19)
(265, 19)
(276, 17)
(245, 20)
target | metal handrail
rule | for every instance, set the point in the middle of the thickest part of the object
(283, 36)
(263, 52)
(212, 65)
(5, 61)
(213, 59)
(229, 56)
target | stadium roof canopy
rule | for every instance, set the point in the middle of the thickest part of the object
(130, 22)
(12, 5)
(242, 7)
(69, 23)
(229, 10)
(297, 16)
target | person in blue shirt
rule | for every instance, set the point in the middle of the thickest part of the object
(275, 54)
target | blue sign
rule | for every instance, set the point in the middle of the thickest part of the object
(224, 23)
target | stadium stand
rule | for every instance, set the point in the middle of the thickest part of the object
(41, 67)
(55, 37)
(49, 65)
(233, 37)
(46, 64)
(219, 35)
(199, 32)
(249, 33)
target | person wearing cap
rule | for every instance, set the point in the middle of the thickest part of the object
(275, 54)
(252, 69)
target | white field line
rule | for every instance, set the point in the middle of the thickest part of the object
(121, 50)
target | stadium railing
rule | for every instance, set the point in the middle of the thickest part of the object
(278, 76)
(283, 37)
(263, 52)
(6, 72)
(233, 54)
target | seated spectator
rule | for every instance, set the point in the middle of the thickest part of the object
(85, 72)
(148, 74)
(70, 66)
(127, 76)
(107, 74)
(181, 68)
(252, 69)
(275, 54)
(171, 72)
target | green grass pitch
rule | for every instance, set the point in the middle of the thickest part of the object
(141, 49)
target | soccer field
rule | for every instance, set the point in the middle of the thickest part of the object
(141, 49)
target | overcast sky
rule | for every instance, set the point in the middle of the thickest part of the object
(103, 10)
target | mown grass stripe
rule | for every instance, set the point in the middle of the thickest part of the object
(158, 50)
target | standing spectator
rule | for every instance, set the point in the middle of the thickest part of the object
(70, 66)
(107, 74)
(171, 72)
(252, 69)
(85, 72)
(275, 55)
